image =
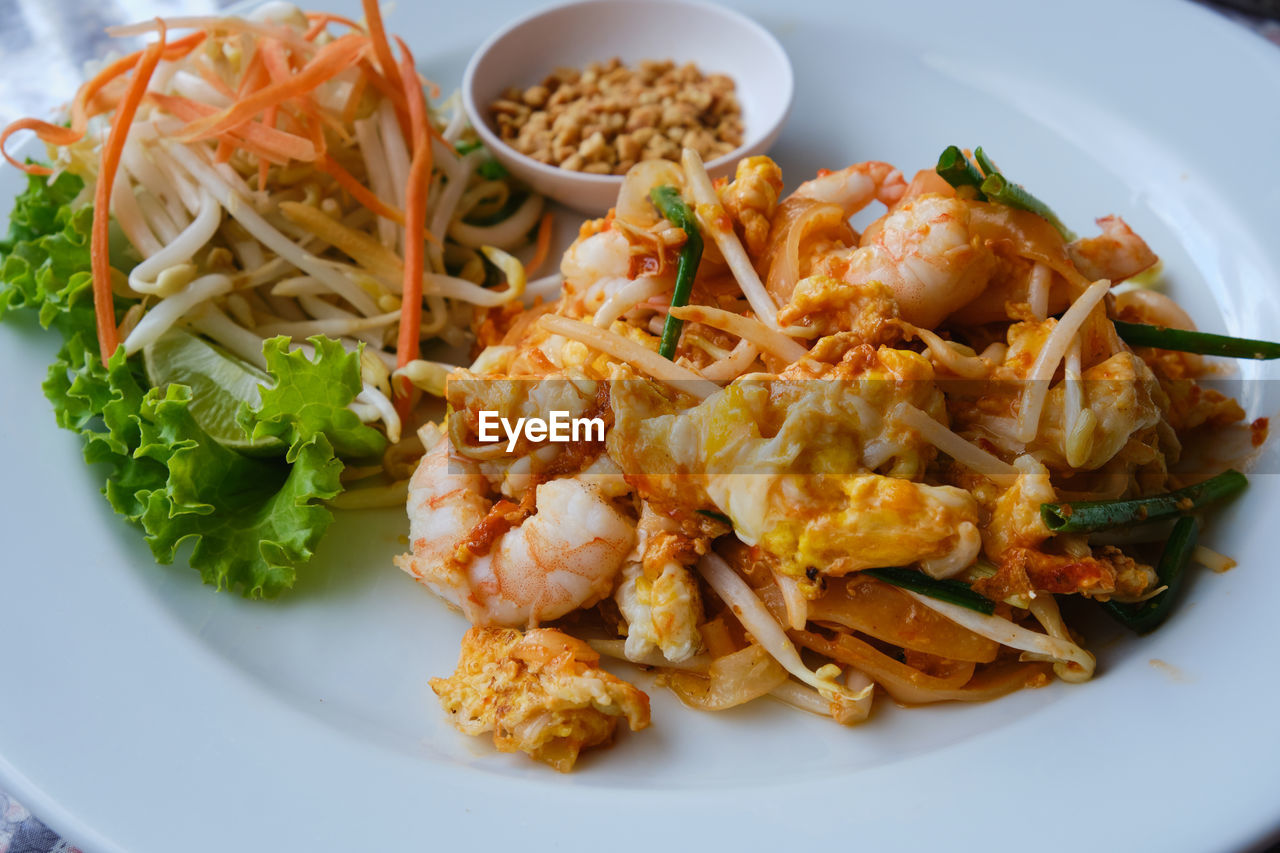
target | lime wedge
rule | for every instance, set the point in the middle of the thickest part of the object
(219, 383)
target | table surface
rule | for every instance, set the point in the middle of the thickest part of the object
(37, 35)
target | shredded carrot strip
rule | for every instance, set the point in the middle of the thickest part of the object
(173, 51)
(105, 99)
(320, 20)
(213, 24)
(352, 106)
(415, 217)
(82, 106)
(317, 137)
(99, 250)
(387, 62)
(279, 145)
(309, 108)
(361, 193)
(332, 59)
(358, 191)
(211, 77)
(273, 57)
(543, 245)
(269, 122)
(395, 96)
(255, 76)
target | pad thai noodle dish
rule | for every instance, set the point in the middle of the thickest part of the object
(735, 441)
(827, 464)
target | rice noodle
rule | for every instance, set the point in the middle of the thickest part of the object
(766, 339)
(1081, 664)
(633, 206)
(755, 617)
(955, 446)
(784, 270)
(712, 216)
(638, 356)
(161, 317)
(1051, 354)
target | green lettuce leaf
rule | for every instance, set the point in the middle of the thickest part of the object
(252, 523)
(310, 398)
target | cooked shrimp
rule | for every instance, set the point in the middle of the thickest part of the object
(600, 255)
(565, 556)
(854, 187)
(812, 222)
(1115, 254)
(923, 252)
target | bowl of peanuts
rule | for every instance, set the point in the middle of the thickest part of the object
(571, 97)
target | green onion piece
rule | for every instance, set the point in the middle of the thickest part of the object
(1148, 615)
(467, 147)
(955, 168)
(679, 214)
(492, 170)
(996, 188)
(718, 516)
(954, 592)
(988, 168)
(1092, 516)
(1160, 337)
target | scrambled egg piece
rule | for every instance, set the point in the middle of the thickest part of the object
(658, 595)
(752, 200)
(1122, 399)
(812, 467)
(1016, 521)
(843, 524)
(542, 693)
(830, 305)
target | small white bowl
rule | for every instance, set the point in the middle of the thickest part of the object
(719, 40)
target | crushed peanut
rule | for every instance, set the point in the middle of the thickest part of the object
(605, 119)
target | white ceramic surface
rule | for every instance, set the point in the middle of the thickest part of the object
(718, 39)
(141, 712)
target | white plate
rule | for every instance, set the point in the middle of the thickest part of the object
(141, 712)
